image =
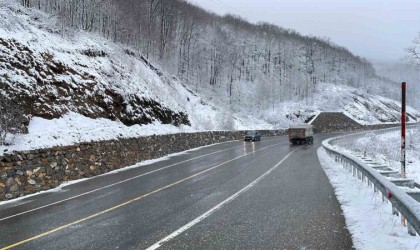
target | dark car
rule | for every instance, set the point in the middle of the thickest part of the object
(252, 136)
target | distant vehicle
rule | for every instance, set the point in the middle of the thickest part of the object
(252, 136)
(301, 134)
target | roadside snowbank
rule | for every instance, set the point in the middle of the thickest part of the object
(74, 128)
(385, 148)
(368, 219)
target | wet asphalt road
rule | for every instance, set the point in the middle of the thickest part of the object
(292, 206)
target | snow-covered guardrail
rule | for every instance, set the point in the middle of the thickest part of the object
(400, 200)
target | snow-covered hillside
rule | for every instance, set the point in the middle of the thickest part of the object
(81, 87)
(51, 74)
(362, 107)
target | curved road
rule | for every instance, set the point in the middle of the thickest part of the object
(235, 195)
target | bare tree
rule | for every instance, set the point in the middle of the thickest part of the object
(26, 3)
(413, 52)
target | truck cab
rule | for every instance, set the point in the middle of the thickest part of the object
(301, 134)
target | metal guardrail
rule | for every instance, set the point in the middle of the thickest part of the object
(400, 200)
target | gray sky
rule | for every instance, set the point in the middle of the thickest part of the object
(376, 29)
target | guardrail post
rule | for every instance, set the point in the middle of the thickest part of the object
(353, 167)
(395, 211)
(410, 229)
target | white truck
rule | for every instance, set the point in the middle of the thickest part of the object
(301, 134)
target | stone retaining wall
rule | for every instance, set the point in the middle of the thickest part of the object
(334, 121)
(32, 171)
(327, 122)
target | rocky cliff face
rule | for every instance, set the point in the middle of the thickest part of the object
(44, 86)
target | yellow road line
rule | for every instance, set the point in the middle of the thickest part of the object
(113, 184)
(127, 202)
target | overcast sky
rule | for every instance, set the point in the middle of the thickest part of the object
(375, 29)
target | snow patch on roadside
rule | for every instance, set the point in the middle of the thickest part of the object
(74, 128)
(368, 219)
(384, 147)
(27, 198)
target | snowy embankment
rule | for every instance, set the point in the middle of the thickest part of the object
(74, 128)
(364, 108)
(384, 147)
(368, 218)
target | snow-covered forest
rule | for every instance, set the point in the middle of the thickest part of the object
(223, 57)
(171, 63)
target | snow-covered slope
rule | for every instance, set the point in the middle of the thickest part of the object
(80, 87)
(364, 108)
(51, 75)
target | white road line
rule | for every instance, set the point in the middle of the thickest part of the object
(114, 184)
(111, 185)
(218, 206)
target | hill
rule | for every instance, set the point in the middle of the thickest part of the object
(77, 86)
